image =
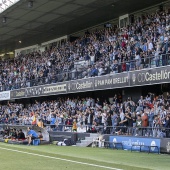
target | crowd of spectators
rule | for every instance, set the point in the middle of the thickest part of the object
(150, 116)
(142, 44)
(13, 134)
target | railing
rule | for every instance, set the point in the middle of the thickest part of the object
(160, 132)
(149, 62)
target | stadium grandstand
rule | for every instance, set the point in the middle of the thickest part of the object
(85, 73)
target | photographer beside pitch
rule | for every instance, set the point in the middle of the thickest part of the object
(31, 135)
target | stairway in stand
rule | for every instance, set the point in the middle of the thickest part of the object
(88, 140)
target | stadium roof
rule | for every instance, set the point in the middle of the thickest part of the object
(49, 19)
(5, 4)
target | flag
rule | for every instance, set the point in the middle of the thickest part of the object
(34, 120)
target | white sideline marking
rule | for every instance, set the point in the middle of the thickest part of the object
(77, 162)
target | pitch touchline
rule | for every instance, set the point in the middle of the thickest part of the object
(77, 162)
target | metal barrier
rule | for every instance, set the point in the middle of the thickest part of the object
(160, 132)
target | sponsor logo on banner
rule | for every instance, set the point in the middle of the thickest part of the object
(5, 95)
(54, 89)
(153, 143)
(146, 77)
(17, 93)
(127, 142)
(112, 81)
(33, 91)
(151, 76)
(43, 90)
(80, 85)
(133, 78)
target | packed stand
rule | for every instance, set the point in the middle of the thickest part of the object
(150, 116)
(143, 44)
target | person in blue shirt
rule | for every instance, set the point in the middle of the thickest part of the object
(53, 121)
(31, 135)
(94, 71)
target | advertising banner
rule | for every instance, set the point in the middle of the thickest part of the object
(111, 81)
(129, 141)
(46, 90)
(150, 76)
(5, 95)
(165, 145)
(17, 94)
(55, 88)
(80, 85)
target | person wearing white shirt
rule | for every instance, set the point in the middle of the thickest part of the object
(92, 58)
(122, 115)
(150, 45)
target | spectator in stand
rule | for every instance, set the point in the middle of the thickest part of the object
(150, 119)
(74, 125)
(129, 123)
(163, 55)
(138, 130)
(53, 121)
(145, 122)
(14, 134)
(114, 66)
(20, 135)
(156, 126)
(114, 118)
(94, 113)
(141, 104)
(141, 44)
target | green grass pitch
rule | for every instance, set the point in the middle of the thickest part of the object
(51, 157)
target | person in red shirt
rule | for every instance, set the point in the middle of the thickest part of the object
(144, 123)
(123, 44)
(123, 66)
(145, 120)
(125, 35)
